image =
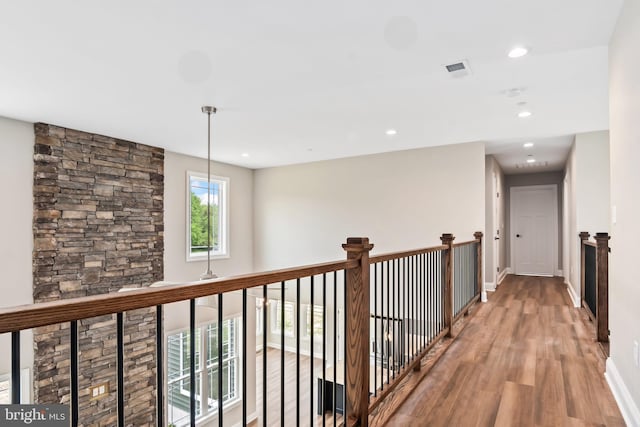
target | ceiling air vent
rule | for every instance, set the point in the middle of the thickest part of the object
(458, 69)
(535, 165)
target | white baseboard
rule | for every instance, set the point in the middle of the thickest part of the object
(628, 407)
(559, 273)
(489, 286)
(250, 418)
(503, 274)
(574, 297)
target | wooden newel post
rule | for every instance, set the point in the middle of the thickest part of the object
(584, 236)
(602, 286)
(447, 298)
(479, 281)
(357, 312)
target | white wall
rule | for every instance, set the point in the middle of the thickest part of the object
(16, 216)
(624, 291)
(400, 200)
(240, 261)
(571, 247)
(587, 178)
(494, 222)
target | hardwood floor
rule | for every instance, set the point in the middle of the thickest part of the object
(526, 358)
(290, 382)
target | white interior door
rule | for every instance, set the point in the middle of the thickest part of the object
(534, 229)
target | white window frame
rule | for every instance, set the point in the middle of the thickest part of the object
(275, 316)
(260, 307)
(223, 233)
(202, 369)
(306, 317)
(25, 385)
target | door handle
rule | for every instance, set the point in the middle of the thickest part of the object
(496, 238)
(517, 235)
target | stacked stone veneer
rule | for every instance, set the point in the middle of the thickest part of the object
(98, 227)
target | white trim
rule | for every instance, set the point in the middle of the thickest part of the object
(554, 188)
(489, 286)
(303, 351)
(572, 294)
(627, 406)
(250, 419)
(503, 274)
(559, 273)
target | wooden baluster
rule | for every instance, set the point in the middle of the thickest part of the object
(357, 332)
(584, 236)
(602, 286)
(447, 298)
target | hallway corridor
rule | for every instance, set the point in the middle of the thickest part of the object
(526, 358)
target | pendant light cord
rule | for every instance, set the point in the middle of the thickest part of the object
(208, 192)
(208, 274)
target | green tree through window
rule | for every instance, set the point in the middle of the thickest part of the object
(198, 215)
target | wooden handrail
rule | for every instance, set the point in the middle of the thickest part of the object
(397, 255)
(49, 313)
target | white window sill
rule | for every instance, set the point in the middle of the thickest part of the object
(201, 258)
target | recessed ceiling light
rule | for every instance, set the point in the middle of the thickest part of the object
(391, 132)
(518, 52)
(245, 154)
(531, 160)
(524, 114)
(528, 144)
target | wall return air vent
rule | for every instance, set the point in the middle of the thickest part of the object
(458, 69)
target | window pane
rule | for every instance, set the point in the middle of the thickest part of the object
(5, 392)
(202, 196)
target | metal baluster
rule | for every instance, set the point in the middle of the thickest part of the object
(264, 354)
(335, 344)
(324, 349)
(220, 364)
(192, 361)
(386, 337)
(120, 363)
(15, 367)
(382, 340)
(282, 320)
(73, 338)
(159, 366)
(244, 356)
(375, 330)
(297, 351)
(344, 354)
(311, 327)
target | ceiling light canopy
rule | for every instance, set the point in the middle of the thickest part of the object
(524, 114)
(528, 144)
(518, 52)
(245, 154)
(391, 132)
(531, 160)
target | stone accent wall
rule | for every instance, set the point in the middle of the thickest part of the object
(98, 227)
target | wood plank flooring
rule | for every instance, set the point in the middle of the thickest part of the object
(526, 358)
(290, 382)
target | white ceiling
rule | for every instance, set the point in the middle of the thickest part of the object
(301, 81)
